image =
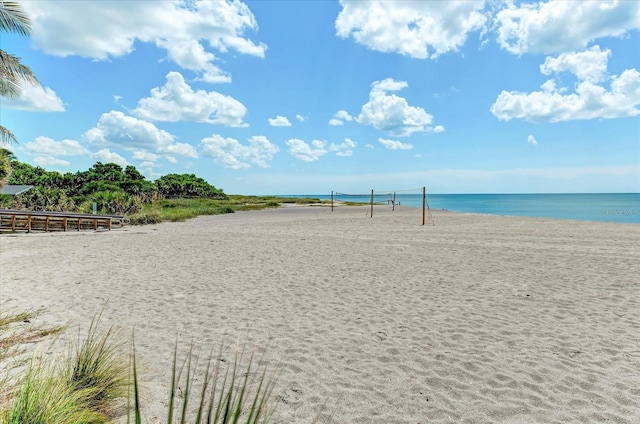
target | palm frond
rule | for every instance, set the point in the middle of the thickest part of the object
(13, 75)
(13, 18)
(6, 136)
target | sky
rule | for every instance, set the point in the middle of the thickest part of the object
(309, 97)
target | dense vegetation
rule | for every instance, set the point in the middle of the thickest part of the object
(125, 191)
(114, 189)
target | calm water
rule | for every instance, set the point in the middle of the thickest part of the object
(610, 207)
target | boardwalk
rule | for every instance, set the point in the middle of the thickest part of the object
(28, 221)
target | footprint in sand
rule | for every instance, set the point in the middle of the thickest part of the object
(381, 336)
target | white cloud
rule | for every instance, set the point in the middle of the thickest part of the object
(369, 146)
(117, 129)
(230, 153)
(301, 118)
(176, 101)
(590, 100)
(392, 113)
(117, 98)
(145, 156)
(343, 149)
(180, 149)
(145, 140)
(589, 65)
(340, 117)
(35, 98)
(563, 26)
(420, 29)
(299, 149)
(50, 161)
(344, 115)
(100, 30)
(107, 156)
(531, 140)
(279, 121)
(438, 129)
(48, 146)
(395, 145)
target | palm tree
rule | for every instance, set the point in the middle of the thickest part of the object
(13, 74)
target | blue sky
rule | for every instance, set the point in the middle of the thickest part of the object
(305, 97)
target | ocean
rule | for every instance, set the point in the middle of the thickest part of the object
(607, 207)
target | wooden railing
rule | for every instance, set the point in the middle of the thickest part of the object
(16, 220)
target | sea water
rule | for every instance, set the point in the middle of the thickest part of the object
(609, 207)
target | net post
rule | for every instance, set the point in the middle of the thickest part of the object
(331, 200)
(393, 203)
(371, 203)
(424, 204)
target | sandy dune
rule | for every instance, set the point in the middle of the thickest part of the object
(478, 319)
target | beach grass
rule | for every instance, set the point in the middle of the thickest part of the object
(97, 378)
(176, 210)
(243, 396)
(44, 398)
(98, 367)
(13, 334)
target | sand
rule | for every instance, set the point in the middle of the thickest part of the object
(478, 319)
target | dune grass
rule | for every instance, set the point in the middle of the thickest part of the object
(98, 367)
(182, 209)
(242, 396)
(97, 381)
(14, 332)
(45, 398)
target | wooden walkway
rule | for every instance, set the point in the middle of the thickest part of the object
(16, 220)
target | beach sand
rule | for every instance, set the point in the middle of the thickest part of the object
(478, 319)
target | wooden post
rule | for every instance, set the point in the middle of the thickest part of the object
(371, 203)
(46, 224)
(64, 223)
(393, 203)
(109, 224)
(424, 204)
(79, 220)
(28, 223)
(331, 200)
(13, 222)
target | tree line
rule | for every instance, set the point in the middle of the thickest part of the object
(114, 189)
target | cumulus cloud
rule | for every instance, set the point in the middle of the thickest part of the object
(177, 101)
(420, 29)
(147, 142)
(589, 65)
(35, 98)
(145, 156)
(230, 153)
(591, 99)
(392, 113)
(279, 121)
(50, 161)
(563, 26)
(101, 30)
(395, 145)
(301, 118)
(48, 146)
(343, 149)
(117, 129)
(340, 117)
(531, 140)
(107, 156)
(299, 149)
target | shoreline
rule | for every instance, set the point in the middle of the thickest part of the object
(480, 318)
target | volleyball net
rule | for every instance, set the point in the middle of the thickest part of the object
(416, 198)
